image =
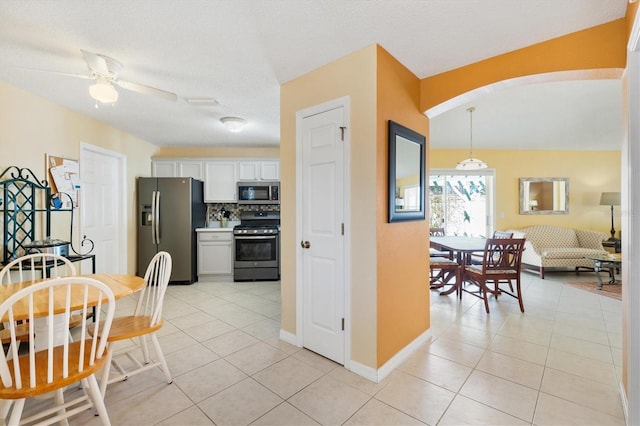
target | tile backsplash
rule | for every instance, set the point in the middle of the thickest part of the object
(234, 209)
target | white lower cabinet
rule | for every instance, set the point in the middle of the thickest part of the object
(215, 254)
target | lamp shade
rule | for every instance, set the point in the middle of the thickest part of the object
(471, 164)
(610, 199)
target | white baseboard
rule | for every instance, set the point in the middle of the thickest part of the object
(377, 375)
(370, 373)
(402, 355)
(625, 402)
(289, 337)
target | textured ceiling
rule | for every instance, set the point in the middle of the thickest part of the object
(240, 51)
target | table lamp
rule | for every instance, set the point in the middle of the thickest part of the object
(610, 199)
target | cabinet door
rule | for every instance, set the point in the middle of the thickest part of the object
(220, 181)
(270, 170)
(215, 258)
(188, 168)
(248, 170)
(164, 168)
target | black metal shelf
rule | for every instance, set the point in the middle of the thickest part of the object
(26, 204)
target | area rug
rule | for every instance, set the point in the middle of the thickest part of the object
(610, 290)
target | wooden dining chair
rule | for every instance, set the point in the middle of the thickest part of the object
(444, 272)
(55, 361)
(145, 321)
(438, 232)
(30, 268)
(477, 258)
(501, 265)
(35, 266)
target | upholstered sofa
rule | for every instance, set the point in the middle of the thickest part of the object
(549, 246)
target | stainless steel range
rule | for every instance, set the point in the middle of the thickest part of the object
(257, 247)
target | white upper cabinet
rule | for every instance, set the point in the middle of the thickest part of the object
(248, 170)
(270, 170)
(178, 168)
(164, 168)
(220, 179)
(220, 176)
(188, 168)
(257, 170)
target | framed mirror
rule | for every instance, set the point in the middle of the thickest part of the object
(406, 174)
(544, 195)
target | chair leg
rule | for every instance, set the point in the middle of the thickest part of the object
(5, 406)
(16, 413)
(520, 301)
(59, 400)
(160, 355)
(98, 402)
(105, 373)
(484, 290)
(145, 350)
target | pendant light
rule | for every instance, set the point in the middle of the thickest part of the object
(471, 163)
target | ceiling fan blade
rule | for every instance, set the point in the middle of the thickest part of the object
(96, 62)
(66, 74)
(147, 90)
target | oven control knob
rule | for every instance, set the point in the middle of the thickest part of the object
(255, 231)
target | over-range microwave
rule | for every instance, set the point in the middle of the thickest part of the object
(258, 192)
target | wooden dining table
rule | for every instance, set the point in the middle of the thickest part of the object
(121, 285)
(461, 246)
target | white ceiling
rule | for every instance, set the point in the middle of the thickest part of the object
(240, 51)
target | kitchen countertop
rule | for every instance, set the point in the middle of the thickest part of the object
(227, 229)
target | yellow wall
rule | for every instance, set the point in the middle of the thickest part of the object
(403, 293)
(32, 127)
(353, 76)
(603, 46)
(589, 173)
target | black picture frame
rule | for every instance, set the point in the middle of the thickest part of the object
(407, 159)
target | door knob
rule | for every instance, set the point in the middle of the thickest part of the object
(305, 244)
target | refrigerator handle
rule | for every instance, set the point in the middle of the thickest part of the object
(156, 222)
(153, 217)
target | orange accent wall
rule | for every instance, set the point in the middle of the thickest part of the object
(403, 290)
(603, 46)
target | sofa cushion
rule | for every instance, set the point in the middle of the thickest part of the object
(545, 236)
(569, 253)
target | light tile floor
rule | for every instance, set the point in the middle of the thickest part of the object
(557, 364)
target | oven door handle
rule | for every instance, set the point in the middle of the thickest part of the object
(256, 237)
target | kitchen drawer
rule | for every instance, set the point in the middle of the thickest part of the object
(215, 236)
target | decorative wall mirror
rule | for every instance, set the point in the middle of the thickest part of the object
(406, 174)
(544, 195)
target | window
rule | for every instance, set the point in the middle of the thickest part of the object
(462, 203)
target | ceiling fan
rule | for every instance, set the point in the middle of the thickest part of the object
(105, 71)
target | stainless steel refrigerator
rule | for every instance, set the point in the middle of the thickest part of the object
(169, 211)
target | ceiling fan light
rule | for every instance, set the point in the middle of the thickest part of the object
(103, 92)
(233, 124)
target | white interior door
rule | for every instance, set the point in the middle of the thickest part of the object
(323, 242)
(102, 207)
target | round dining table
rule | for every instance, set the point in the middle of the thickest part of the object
(121, 285)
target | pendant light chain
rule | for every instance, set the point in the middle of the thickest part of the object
(471, 109)
(471, 163)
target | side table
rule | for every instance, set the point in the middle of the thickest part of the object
(609, 262)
